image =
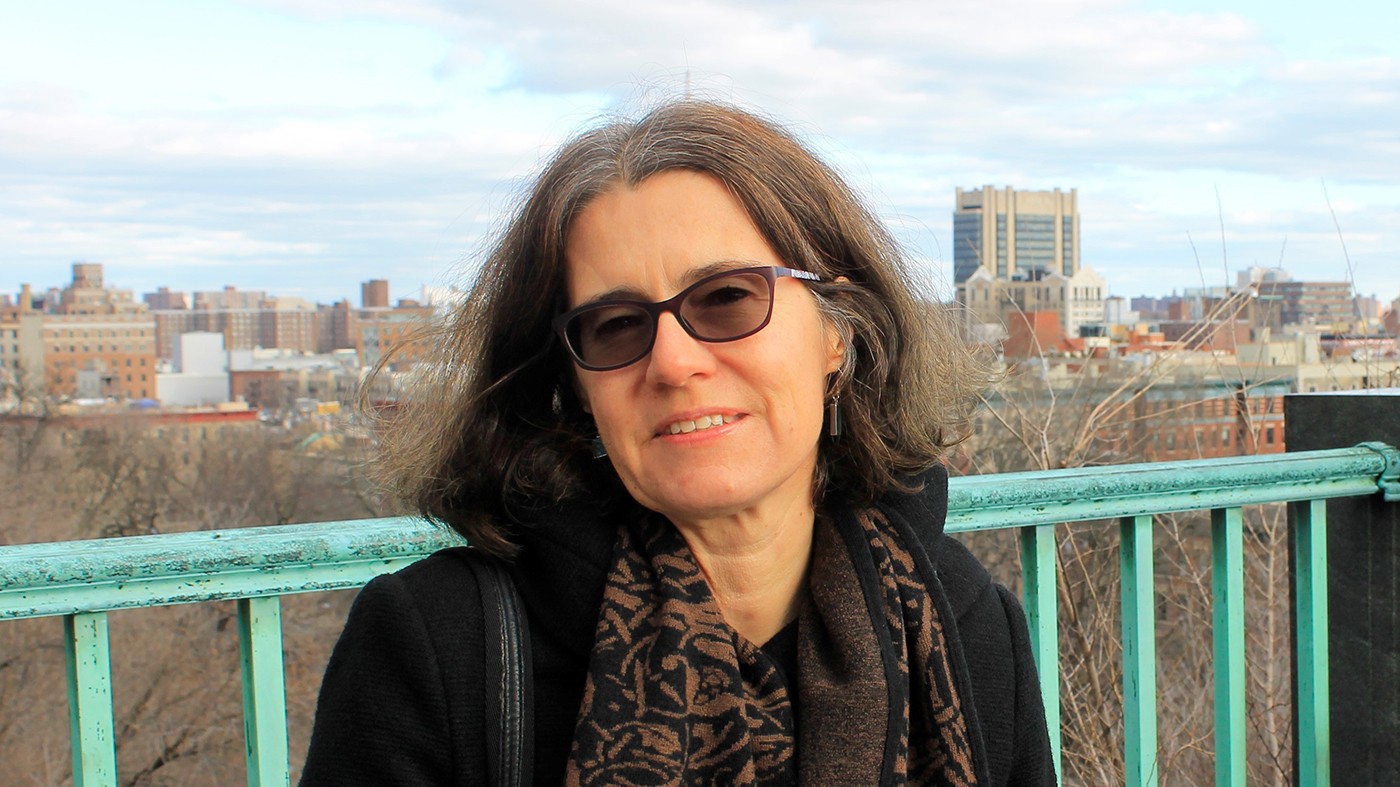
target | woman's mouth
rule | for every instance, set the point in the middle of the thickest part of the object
(700, 424)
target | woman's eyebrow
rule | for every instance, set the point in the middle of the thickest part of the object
(629, 293)
(623, 293)
(711, 268)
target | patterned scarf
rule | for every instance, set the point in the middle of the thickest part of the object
(675, 696)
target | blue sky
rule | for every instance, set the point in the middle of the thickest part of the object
(301, 147)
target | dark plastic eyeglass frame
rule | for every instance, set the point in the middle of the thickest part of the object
(771, 273)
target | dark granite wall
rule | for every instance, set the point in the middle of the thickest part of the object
(1363, 567)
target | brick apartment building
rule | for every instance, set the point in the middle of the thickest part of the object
(1206, 421)
(248, 320)
(398, 330)
(251, 320)
(1320, 303)
(21, 352)
(1168, 418)
(98, 341)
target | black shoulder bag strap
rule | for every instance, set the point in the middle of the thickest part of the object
(509, 679)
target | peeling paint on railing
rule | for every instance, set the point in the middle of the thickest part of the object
(117, 573)
(1114, 491)
(83, 580)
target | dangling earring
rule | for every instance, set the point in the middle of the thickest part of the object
(833, 417)
(600, 451)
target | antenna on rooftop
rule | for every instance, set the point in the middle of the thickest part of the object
(685, 49)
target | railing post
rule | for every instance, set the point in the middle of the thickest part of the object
(1311, 711)
(1139, 652)
(1358, 602)
(264, 693)
(90, 699)
(1227, 582)
(1038, 576)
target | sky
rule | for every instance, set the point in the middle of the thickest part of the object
(303, 146)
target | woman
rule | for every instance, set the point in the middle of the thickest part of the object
(694, 403)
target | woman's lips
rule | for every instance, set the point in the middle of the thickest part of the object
(686, 426)
(698, 424)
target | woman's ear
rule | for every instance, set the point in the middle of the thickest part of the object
(836, 340)
(835, 349)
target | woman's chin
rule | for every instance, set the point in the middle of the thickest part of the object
(700, 497)
(690, 496)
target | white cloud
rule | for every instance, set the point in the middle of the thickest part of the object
(370, 131)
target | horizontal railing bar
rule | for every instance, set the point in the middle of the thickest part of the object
(105, 574)
(1113, 491)
(118, 573)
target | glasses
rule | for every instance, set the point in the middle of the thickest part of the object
(724, 307)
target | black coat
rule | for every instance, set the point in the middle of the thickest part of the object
(403, 703)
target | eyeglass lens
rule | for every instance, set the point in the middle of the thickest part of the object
(723, 308)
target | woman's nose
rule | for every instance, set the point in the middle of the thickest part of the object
(676, 356)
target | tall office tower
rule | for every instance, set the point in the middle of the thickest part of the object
(1015, 233)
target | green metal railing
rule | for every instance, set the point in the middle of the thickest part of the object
(83, 581)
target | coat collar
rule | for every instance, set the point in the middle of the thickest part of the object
(566, 552)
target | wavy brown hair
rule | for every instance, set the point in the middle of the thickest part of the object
(493, 429)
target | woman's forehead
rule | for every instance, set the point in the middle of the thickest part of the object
(653, 239)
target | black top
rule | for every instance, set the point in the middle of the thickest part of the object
(782, 648)
(402, 701)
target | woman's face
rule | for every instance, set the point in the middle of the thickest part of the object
(758, 457)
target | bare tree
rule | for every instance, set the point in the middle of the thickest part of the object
(177, 703)
(1066, 412)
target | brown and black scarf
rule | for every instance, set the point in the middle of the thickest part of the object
(675, 696)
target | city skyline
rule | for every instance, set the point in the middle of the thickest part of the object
(301, 147)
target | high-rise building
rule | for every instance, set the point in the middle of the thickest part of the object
(1327, 304)
(397, 330)
(1078, 300)
(1014, 233)
(87, 275)
(285, 322)
(21, 357)
(229, 298)
(1255, 275)
(164, 298)
(99, 341)
(374, 294)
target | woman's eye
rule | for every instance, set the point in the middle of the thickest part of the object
(617, 324)
(724, 296)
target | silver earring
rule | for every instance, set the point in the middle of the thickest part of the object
(600, 451)
(833, 417)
